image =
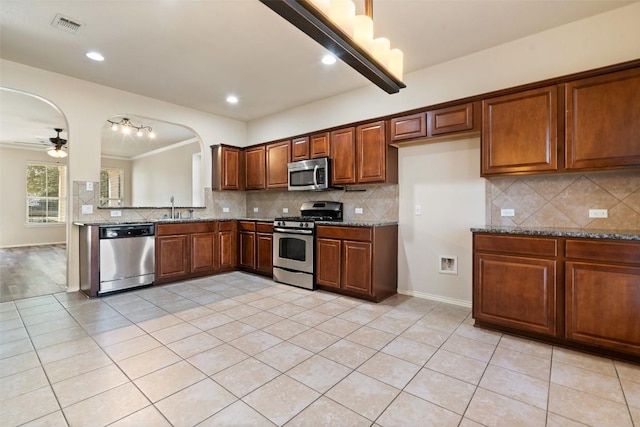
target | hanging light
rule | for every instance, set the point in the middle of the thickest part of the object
(57, 152)
(334, 25)
(126, 127)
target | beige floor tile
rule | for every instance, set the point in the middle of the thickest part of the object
(357, 315)
(66, 350)
(106, 407)
(631, 392)
(194, 344)
(439, 323)
(266, 303)
(148, 416)
(262, 319)
(348, 353)
(75, 389)
(389, 369)
(54, 419)
(443, 390)
(217, 359)
(285, 329)
(223, 305)
(286, 310)
(635, 414)
(211, 321)
(205, 399)
(338, 327)
(15, 335)
(289, 296)
(587, 408)
(425, 335)
(319, 373)
(363, 395)
(126, 349)
(314, 340)
(284, 356)
(493, 409)
(175, 333)
(255, 342)
(163, 382)
(281, 399)
(466, 422)
(22, 382)
(14, 348)
(245, 377)
(470, 348)
(238, 414)
(478, 334)
(193, 313)
(457, 366)
(515, 385)
(161, 322)
(57, 337)
(147, 362)
(525, 363)
(555, 420)
(309, 302)
(627, 371)
(28, 406)
(326, 412)
(407, 410)
(310, 318)
(241, 311)
(231, 331)
(524, 345)
(331, 308)
(45, 328)
(584, 361)
(409, 350)
(370, 337)
(118, 335)
(21, 362)
(587, 381)
(247, 298)
(76, 365)
(391, 325)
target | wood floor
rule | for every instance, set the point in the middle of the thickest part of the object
(32, 271)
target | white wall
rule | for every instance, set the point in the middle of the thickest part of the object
(444, 177)
(13, 201)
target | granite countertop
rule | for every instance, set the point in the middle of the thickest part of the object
(358, 223)
(561, 232)
(269, 220)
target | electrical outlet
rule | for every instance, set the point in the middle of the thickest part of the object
(285, 210)
(116, 213)
(598, 213)
(89, 186)
(418, 210)
(256, 210)
(359, 211)
(225, 209)
(86, 209)
(507, 212)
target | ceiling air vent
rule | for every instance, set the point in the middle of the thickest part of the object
(67, 24)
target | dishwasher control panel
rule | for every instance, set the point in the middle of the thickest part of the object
(124, 231)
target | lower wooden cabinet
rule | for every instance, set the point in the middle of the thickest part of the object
(203, 252)
(227, 245)
(172, 256)
(255, 247)
(358, 261)
(264, 253)
(247, 249)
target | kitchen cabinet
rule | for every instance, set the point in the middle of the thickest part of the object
(247, 245)
(404, 128)
(603, 294)
(603, 121)
(319, 145)
(357, 261)
(371, 152)
(227, 245)
(226, 167)
(264, 249)
(278, 155)
(255, 247)
(343, 156)
(516, 282)
(255, 173)
(172, 257)
(300, 148)
(520, 132)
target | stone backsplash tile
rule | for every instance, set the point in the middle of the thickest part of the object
(564, 200)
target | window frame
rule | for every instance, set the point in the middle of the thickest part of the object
(62, 214)
(107, 200)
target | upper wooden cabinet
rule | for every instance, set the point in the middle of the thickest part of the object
(463, 118)
(300, 148)
(371, 151)
(519, 132)
(226, 168)
(255, 160)
(278, 156)
(409, 127)
(343, 156)
(603, 121)
(319, 145)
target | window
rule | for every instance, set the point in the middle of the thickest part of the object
(46, 193)
(111, 194)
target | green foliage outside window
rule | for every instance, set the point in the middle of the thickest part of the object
(46, 193)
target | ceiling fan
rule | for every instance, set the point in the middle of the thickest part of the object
(59, 149)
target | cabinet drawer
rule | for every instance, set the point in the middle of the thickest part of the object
(408, 127)
(452, 119)
(247, 226)
(225, 225)
(264, 227)
(516, 245)
(185, 228)
(604, 251)
(345, 233)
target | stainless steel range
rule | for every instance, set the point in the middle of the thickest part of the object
(294, 243)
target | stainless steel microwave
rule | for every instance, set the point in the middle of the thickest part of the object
(310, 175)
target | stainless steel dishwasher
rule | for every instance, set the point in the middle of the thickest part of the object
(127, 256)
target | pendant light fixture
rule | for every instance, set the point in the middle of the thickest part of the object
(57, 151)
(334, 24)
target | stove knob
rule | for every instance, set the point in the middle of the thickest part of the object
(301, 224)
(281, 224)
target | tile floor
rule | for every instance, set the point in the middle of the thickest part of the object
(239, 350)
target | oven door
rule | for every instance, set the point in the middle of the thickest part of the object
(293, 249)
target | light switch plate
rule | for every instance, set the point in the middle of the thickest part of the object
(507, 212)
(598, 213)
(285, 210)
(225, 209)
(116, 213)
(418, 210)
(359, 211)
(256, 209)
(89, 186)
(87, 209)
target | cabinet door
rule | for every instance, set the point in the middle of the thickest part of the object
(458, 118)
(408, 127)
(328, 261)
(172, 256)
(519, 132)
(356, 266)
(603, 121)
(203, 252)
(517, 292)
(603, 302)
(319, 145)
(278, 155)
(247, 250)
(300, 149)
(230, 168)
(226, 249)
(255, 168)
(343, 156)
(264, 256)
(371, 150)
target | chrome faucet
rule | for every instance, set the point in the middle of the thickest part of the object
(173, 207)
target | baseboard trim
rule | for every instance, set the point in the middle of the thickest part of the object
(438, 298)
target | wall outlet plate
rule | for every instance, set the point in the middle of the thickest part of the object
(285, 210)
(89, 186)
(507, 212)
(116, 213)
(86, 209)
(598, 213)
(256, 209)
(225, 209)
(448, 264)
(418, 210)
(359, 211)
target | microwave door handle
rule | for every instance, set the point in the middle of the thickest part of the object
(315, 175)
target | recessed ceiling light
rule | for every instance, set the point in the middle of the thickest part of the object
(329, 59)
(232, 99)
(95, 56)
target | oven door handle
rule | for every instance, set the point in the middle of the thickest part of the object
(290, 231)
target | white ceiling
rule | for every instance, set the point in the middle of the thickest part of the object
(195, 53)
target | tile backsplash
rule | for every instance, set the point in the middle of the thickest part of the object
(564, 200)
